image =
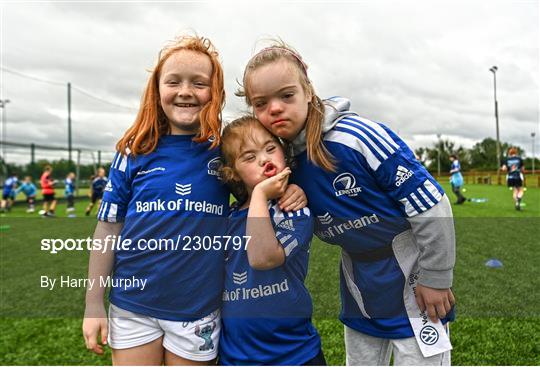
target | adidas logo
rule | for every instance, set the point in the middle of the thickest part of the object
(325, 219)
(182, 189)
(286, 224)
(402, 175)
(239, 278)
(108, 187)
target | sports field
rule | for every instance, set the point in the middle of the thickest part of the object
(498, 312)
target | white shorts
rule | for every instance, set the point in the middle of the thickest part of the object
(194, 340)
(366, 350)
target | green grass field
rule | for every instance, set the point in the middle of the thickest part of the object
(498, 312)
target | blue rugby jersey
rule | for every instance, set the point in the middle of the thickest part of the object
(70, 187)
(514, 165)
(362, 207)
(99, 184)
(9, 185)
(266, 314)
(171, 193)
(455, 167)
(28, 188)
(456, 178)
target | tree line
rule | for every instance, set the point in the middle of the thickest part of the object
(481, 157)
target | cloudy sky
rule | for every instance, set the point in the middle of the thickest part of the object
(421, 67)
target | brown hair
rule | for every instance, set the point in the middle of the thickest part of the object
(316, 151)
(234, 137)
(151, 123)
(512, 151)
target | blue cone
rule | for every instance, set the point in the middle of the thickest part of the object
(494, 263)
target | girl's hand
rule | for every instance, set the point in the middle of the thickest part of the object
(437, 302)
(294, 199)
(274, 187)
(94, 327)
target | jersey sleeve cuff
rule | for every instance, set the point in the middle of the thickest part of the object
(110, 212)
(439, 279)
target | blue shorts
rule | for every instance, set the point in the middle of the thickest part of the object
(514, 181)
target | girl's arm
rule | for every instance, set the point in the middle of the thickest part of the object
(100, 265)
(264, 251)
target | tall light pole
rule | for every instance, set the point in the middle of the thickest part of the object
(3, 106)
(533, 156)
(69, 123)
(439, 156)
(494, 69)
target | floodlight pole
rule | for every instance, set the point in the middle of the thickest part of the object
(69, 121)
(533, 156)
(494, 69)
(78, 171)
(439, 156)
(3, 106)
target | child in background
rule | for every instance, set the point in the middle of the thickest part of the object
(162, 184)
(9, 192)
(69, 193)
(266, 313)
(373, 199)
(514, 179)
(97, 188)
(456, 179)
(47, 190)
(29, 190)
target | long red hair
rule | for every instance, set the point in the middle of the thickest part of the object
(151, 123)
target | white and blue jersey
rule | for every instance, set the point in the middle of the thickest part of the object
(456, 179)
(266, 314)
(9, 186)
(69, 189)
(172, 194)
(364, 208)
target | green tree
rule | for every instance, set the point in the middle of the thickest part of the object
(441, 150)
(484, 154)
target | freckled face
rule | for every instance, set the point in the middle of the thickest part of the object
(184, 89)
